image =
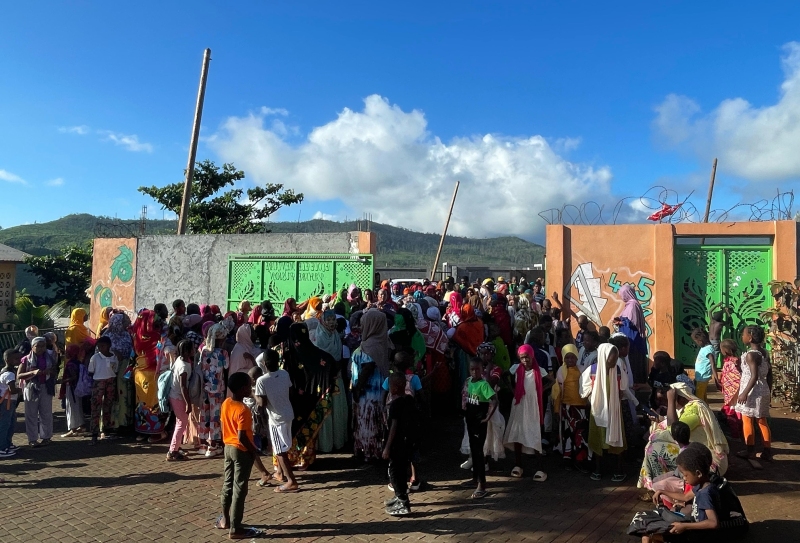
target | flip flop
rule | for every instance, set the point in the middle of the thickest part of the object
(283, 490)
(479, 494)
(540, 476)
(262, 483)
(595, 476)
(516, 472)
(248, 533)
(218, 522)
(618, 478)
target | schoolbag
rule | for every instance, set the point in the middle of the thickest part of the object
(84, 385)
(195, 386)
(164, 388)
(731, 515)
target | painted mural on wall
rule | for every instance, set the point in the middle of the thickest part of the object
(594, 293)
(113, 274)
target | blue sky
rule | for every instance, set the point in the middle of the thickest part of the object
(379, 109)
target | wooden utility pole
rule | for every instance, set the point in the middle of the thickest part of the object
(183, 219)
(710, 190)
(446, 224)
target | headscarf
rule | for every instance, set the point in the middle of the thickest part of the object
(77, 332)
(375, 340)
(32, 332)
(282, 327)
(190, 321)
(502, 318)
(117, 331)
(519, 387)
(486, 347)
(244, 344)
(569, 348)
(215, 332)
(632, 310)
(205, 327)
(715, 439)
(104, 316)
(327, 337)
(351, 292)
(416, 312)
(434, 314)
(146, 337)
(605, 396)
(38, 362)
(255, 316)
(314, 307)
(469, 334)
(405, 333)
(289, 307)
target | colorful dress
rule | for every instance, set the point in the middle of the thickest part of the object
(574, 429)
(367, 410)
(212, 365)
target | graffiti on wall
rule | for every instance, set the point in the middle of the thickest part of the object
(592, 296)
(113, 274)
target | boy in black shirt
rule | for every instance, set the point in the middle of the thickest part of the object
(401, 422)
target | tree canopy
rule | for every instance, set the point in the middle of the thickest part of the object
(69, 271)
(229, 212)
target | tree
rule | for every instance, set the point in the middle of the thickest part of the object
(69, 271)
(26, 313)
(228, 213)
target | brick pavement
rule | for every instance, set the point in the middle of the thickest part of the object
(123, 491)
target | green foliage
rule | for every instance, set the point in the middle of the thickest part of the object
(69, 272)
(784, 341)
(227, 213)
(25, 312)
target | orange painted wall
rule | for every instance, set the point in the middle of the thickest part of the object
(113, 276)
(642, 254)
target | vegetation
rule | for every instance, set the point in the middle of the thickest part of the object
(227, 213)
(25, 312)
(784, 341)
(67, 273)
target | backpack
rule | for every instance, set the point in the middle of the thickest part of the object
(84, 385)
(195, 386)
(164, 388)
(731, 514)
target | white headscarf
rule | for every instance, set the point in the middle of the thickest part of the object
(605, 397)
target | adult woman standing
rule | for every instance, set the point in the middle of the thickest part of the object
(122, 347)
(244, 353)
(635, 329)
(405, 337)
(213, 362)
(34, 371)
(148, 419)
(105, 315)
(77, 332)
(312, 371)
(369, 367)
(333, 434)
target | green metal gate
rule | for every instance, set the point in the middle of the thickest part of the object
(706, 275)
(278, 277)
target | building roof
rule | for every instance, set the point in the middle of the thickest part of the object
(9, 254)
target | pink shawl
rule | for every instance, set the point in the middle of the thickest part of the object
(632, 310)
(519, 388)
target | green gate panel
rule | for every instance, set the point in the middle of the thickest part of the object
(278, 277)
(705, 276)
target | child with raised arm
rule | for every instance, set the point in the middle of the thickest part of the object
(401, 422)
(240, 455)
(481, 405)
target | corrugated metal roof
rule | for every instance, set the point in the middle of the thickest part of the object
(9, 254)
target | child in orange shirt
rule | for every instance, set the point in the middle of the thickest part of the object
(240, 455)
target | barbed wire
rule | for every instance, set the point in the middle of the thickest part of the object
(116, 228)
(655, 198)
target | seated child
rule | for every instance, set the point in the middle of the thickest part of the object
(672, 482)
(661, 375)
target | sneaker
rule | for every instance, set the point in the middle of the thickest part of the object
(71, 433)
(212, 452)
(390, 502)
(5, 453)
(399, 509)
(390, 487)
(12, 447)
(467, 464)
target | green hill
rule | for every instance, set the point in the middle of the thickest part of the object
(397, 247)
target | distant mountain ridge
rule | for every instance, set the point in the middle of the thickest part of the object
(397, 247)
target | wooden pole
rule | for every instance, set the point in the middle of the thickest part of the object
(183, 220)
(710, 190)
(446, 224)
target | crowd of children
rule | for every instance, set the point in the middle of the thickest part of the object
(366, 369)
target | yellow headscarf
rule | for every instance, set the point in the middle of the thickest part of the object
(105, 314)
(77, 332)
(314, 307)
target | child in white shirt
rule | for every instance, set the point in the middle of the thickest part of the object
(103, 369)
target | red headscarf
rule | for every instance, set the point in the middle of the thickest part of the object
(456, 301)
(519, 388)
(469, 334)
(289, 307)
(503, 319)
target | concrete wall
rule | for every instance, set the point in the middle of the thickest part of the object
(600, 258)
(195, 268)
(113, 276)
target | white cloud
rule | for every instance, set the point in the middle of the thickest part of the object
(324, 216)
(756, 143)
(57, 182)
(81, 130)
(130, 142)
(267, 111)
(11, 178)
(383, 160)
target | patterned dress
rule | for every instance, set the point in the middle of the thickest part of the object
(368, 424)
(212, 365)
(757, 404)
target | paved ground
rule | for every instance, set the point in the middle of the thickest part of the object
(121, 491)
